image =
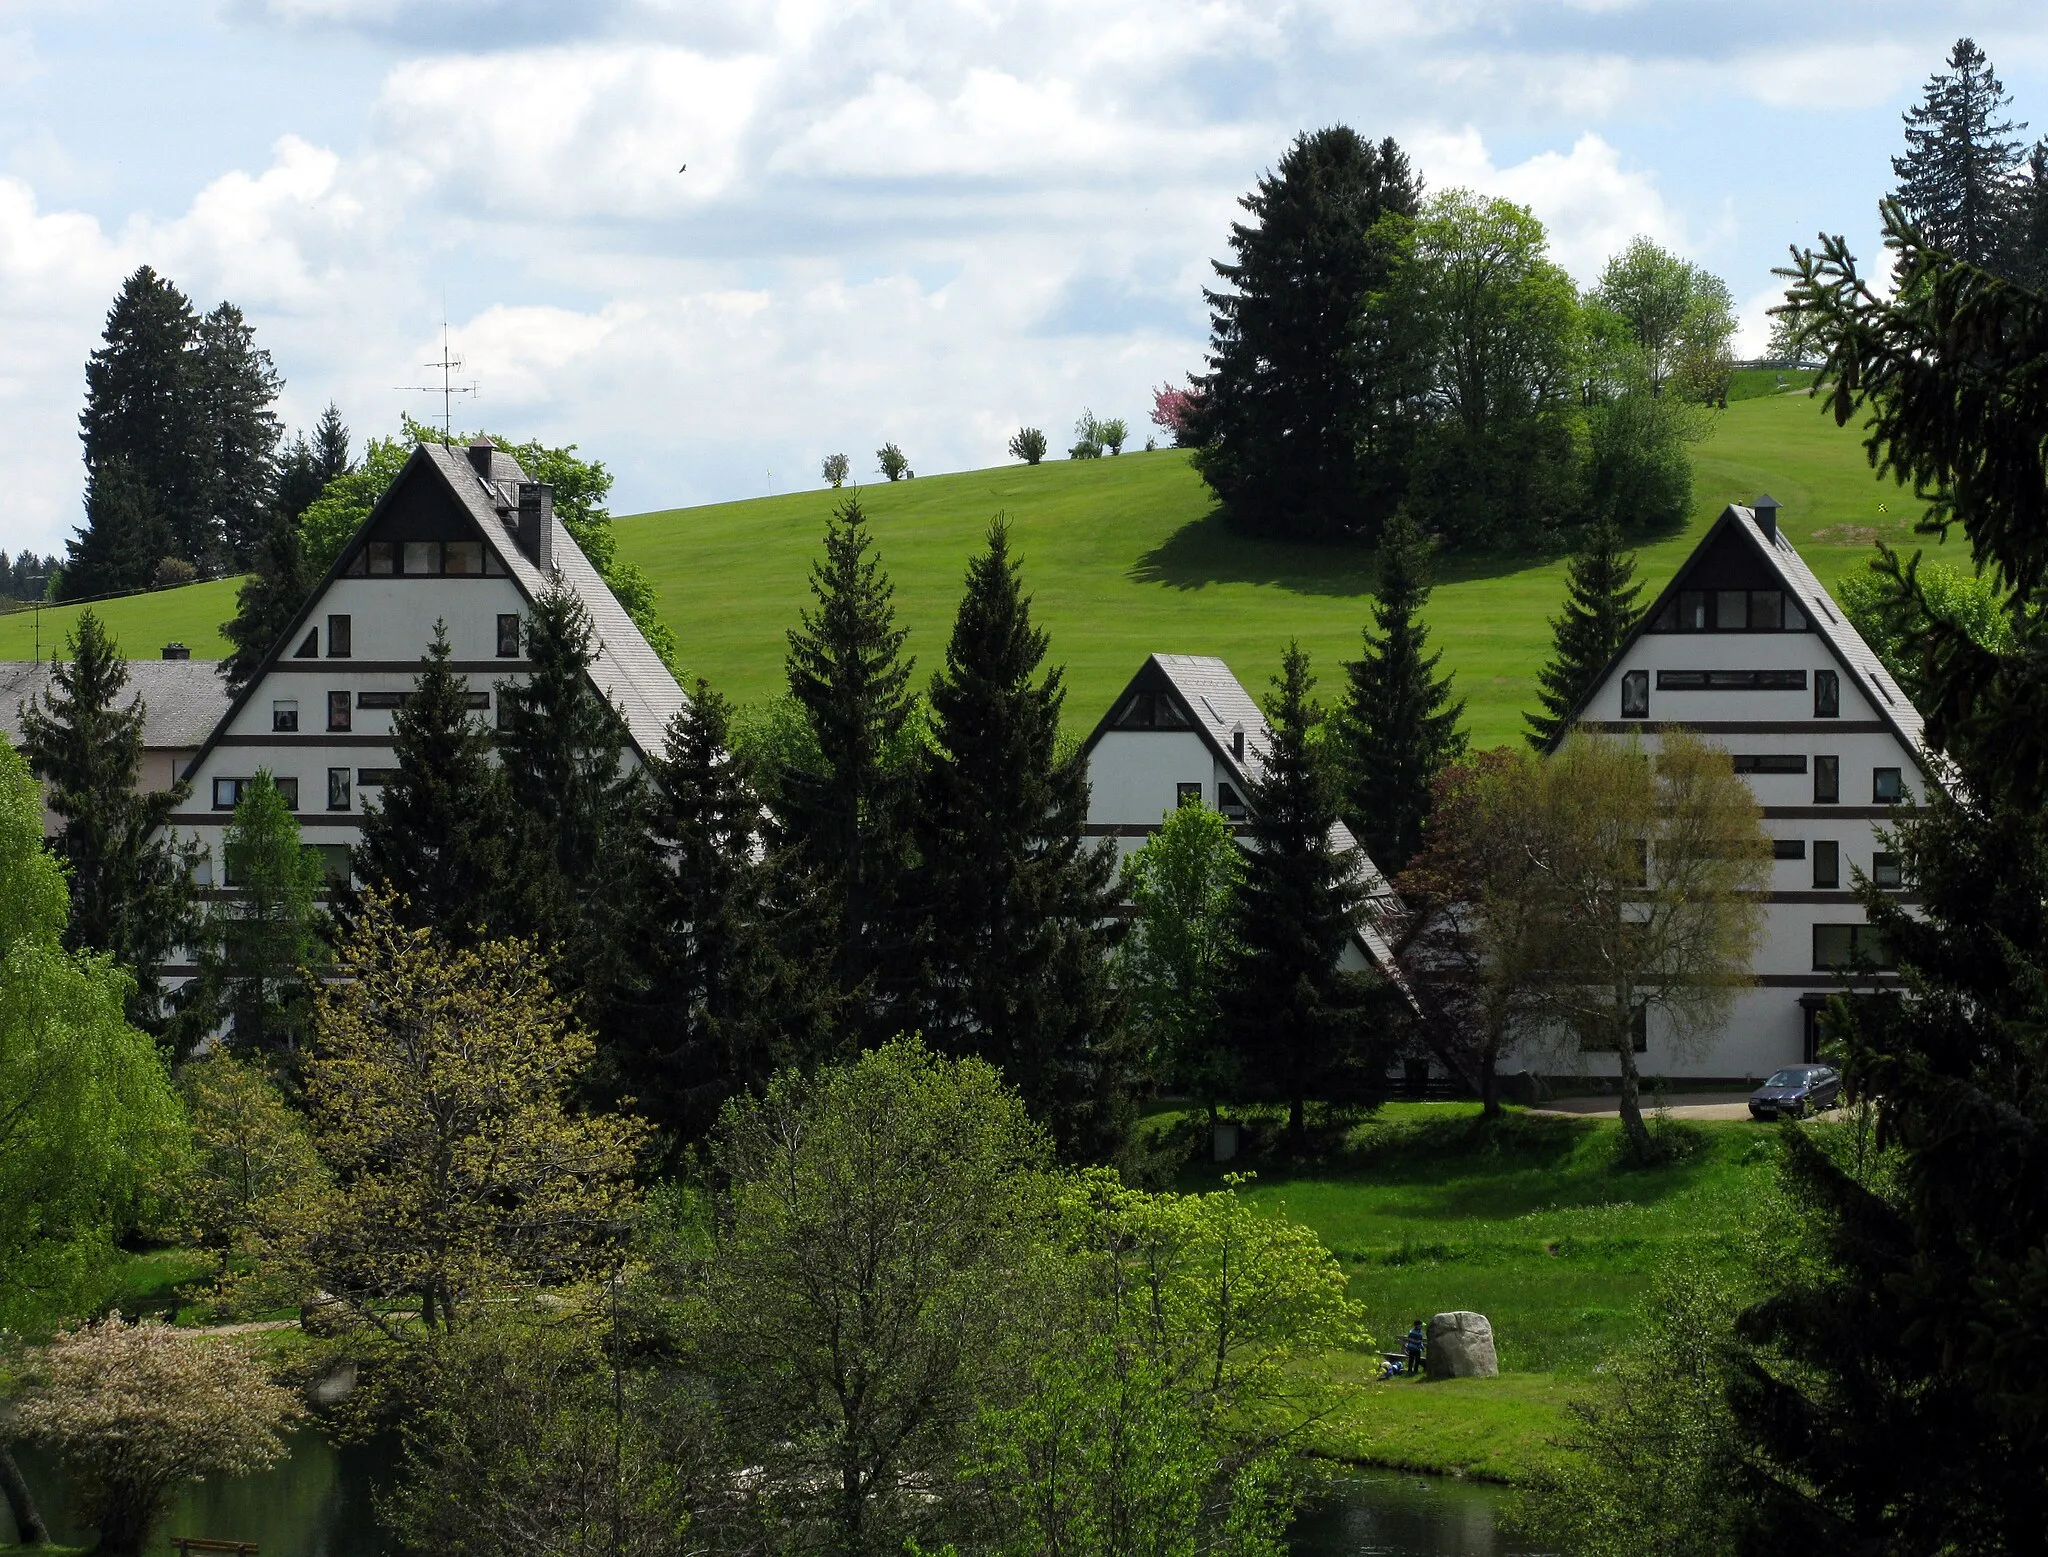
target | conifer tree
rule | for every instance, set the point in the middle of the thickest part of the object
(843, 820)
(268, 600)
(1294, 1019)
(561, 744)
(712, 1007)
(264, 935)
(1956, 179)
(1399, 727)
(436, 837)
(1599, 612)
(305, 468)
(2026, 259)
(1015, 963)
(140, 412)
(131, 887)
(1294, 402)
(233, 386)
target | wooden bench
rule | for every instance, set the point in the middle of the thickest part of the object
(189, 1544)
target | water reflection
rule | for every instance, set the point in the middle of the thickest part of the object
(317, 1503)
(1395, 1514)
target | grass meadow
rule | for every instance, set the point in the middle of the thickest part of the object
(1126, 556)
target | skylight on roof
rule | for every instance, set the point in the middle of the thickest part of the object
(1212, 710)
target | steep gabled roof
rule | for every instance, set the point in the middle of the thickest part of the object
(626, 668)
(1217, 706)
(1857, 659)
(182, 699)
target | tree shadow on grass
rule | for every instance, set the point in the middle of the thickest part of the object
(1208, 551)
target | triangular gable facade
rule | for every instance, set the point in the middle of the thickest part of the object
(461, 536)
(1185, 725)
(1745, 648)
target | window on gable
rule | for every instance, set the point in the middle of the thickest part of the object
(340, 637)
(1827, 865)
(1230, 803)
(463, 557)
(338, 712)
(1788, 848)
(508, 636)
(1635, 694)
(1769, 762)
(338, 789)
(1885, 871)
(1887, 787)
(383, 558)
(1187, 795)
(1838, 946)
(1765, 615)
(284, 715)
(1150, 711)
(1827, 781)
(1827, 694)
(309, 648)
(1731, 610)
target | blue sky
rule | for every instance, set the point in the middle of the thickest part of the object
(921, 222)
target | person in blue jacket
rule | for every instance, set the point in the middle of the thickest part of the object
(1413, 1347)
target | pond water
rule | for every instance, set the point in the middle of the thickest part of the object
(319, 1504)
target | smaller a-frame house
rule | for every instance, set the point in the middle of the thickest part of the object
(1745, 648)
(461, 536)
(1186, 732)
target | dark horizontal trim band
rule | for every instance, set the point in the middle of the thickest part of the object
(1825, 813)
(1736, 726)
(332, 666)
(1837, 897)
(315, 739)
(352, 819)
(1824, 981)
(1140, 829)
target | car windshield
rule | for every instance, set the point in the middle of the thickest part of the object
(1789, 1078)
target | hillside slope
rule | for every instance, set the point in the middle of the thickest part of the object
(1124, 557)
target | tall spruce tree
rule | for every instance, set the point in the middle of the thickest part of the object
(1399, 727)
(284, 574)
(1015, 960)
(264, 936)
(1296, 1022)
(1599, 611)
(844, 819)
(233, 386)
(437, 835)
(1296, 404)
(2026, 259)
(1894, 1389)
(140, 412)
(561, 744)
(131, 886)
(1956, 179)
(125, 536)
(711, 1007)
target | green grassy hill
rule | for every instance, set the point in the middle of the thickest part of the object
(1125, 557)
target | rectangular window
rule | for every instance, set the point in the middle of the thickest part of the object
(1187, 795)
(374, 778)
(1788, 848)
(382, 699)
(1692, 610)
(1846, 945)
(1731, 610)
(338, 712)
(337, 789)
(1764, 614)
(1827, 781)
(1827, 865)
(288, 791)
(284, 715)
(1886, 789)
(334, 861)
(422, 557)
(465, 557)
(1635, 694)
(227, 793)
(1230, 803)
(1827, 694)
(1885, 871)
(1769, 762)
(340, 637)
(383, 558)
(1731, 681)
(508, 636)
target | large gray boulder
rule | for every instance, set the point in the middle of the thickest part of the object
(1461, 1347)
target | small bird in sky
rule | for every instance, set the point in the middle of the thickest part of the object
(684, 168)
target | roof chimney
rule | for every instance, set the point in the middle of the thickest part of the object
(1237, 742)
(537, 523)
(480, 457)
(176, 651)
(1766, 508)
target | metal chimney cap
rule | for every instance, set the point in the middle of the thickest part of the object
(480, 454)
(1766, 510)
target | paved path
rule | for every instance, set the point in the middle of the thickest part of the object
(1680, 1105)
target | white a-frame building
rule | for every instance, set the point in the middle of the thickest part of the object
(464, 537)
(1746, 649)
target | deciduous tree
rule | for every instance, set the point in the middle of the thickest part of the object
(439, 1091)
(130, 881)
(1027, 444)
(138, 1412)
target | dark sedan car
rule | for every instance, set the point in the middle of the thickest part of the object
(1795, 1091)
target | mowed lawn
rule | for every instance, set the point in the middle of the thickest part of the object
(1530, 1221)
(1125, 557)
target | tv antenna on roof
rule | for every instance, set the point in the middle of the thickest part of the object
(447, 389)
